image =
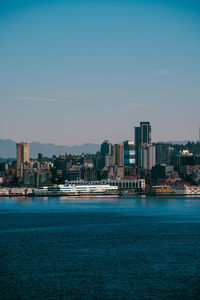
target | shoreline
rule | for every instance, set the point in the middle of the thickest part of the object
(146, 195)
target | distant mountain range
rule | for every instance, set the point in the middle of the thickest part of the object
(8, 149)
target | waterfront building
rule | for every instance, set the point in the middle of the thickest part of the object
(186, 190)
(127, 183)
(162, 190)
(122, 183)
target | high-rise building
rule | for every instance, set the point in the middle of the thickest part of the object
(145, 132)
(109, 160)
(162, 153)
(106, 150)
(23, 155)
(142, 138)
(118, 155)
(148, 156)
(112, 160)
(129, 153)
(137, 145)
(40, 157)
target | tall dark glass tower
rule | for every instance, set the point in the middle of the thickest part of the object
(106, 149)
(142, 138)
(145, 132)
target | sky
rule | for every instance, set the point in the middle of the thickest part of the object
(84, 71)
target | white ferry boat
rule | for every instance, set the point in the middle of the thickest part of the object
(79, 188)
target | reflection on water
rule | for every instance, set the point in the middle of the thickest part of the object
(185, 206)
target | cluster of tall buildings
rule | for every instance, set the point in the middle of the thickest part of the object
(113, 161)
(31, 173)
(136, 159)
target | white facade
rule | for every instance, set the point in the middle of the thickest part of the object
(123, 183)
(87, 188)
(186, 190)
(81, 187)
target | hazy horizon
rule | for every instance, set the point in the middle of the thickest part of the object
(74, 72)
(88, 142)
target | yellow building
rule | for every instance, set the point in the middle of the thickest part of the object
(162, 190)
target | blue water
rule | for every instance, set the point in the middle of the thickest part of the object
(100, 248)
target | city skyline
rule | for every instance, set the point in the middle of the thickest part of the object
(76, 72)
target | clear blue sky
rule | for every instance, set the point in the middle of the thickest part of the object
(84, 71)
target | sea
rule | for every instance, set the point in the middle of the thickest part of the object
(100, 248)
